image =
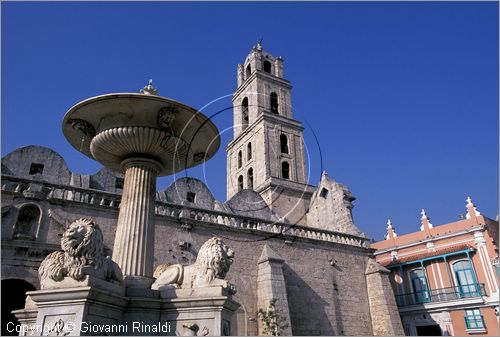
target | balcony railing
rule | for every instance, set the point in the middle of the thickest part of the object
(474, 322)
(441, 294)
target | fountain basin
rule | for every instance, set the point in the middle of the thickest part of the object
(112, 128)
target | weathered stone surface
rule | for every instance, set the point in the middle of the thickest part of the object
(82, 255)
(189, 191)
(209, 270)
(271, 288)
(331, 207)
(314, 303)
(260, 137)
(133, 247)
(37, 162)
(383, 308)
(323, 278)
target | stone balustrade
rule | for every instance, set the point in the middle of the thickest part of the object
(54, 192)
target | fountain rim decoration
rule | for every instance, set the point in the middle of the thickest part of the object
(92, 121)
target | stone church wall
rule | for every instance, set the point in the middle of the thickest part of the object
(323, 299)
(324, 271)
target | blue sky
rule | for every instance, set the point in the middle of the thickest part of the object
(403, 97)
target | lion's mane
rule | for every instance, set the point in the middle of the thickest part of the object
(212, 259)
(209, 269)
(71, 261)
(89, 252)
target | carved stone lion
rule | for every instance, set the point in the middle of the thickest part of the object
(209, 269)
(82, 254)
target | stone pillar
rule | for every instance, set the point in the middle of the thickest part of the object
(133, 249)
(271, 285)
(383, 309)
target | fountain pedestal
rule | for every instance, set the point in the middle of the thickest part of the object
(98, 310)
(135, 227)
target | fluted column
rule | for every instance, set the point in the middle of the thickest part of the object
(134, 242)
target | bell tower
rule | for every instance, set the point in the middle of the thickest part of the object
(267, 151)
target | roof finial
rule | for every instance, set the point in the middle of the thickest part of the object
(471, 208)
(391, 232)
(426, 223)
(149, 89)
(259, 44)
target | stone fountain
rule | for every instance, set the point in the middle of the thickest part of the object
(144, 136)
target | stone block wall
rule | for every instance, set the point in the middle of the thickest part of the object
(322, 299)
(384, 311)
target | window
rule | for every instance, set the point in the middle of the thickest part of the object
(190, 196)
(244, 113)
(466, 281)
(249, 151)
(27, 223)
(250, 178)
(240, 183)
(285, 170)
(419, 283)
(323, 193)
(249, 71)
(240, 159)
(119, 183)
(36, 168)
(284, 143)
(267, 67)
(474, 319)
(274, 102)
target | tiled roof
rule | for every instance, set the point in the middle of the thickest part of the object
(437, 252)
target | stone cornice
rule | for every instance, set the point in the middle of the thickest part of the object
(264, 76)
(61, 194)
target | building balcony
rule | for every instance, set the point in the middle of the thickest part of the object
(441, 295)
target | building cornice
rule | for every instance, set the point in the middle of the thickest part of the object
(268, 117)
(264, 76)
(431, 239)
(444, 306)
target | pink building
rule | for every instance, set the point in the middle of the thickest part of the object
(445, 278)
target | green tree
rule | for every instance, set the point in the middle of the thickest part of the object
(273, 323)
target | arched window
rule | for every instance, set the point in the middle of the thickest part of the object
(249, 151)
(419, 284)
(284, 143)
(240, 183)
(250, 178)
(244, 113)
(285, 170)
(267, 67)
(249, 71)
(240, 159)
(465, 278)
(27, 223)
(274, 102)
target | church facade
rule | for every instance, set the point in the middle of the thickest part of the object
(296, 244)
